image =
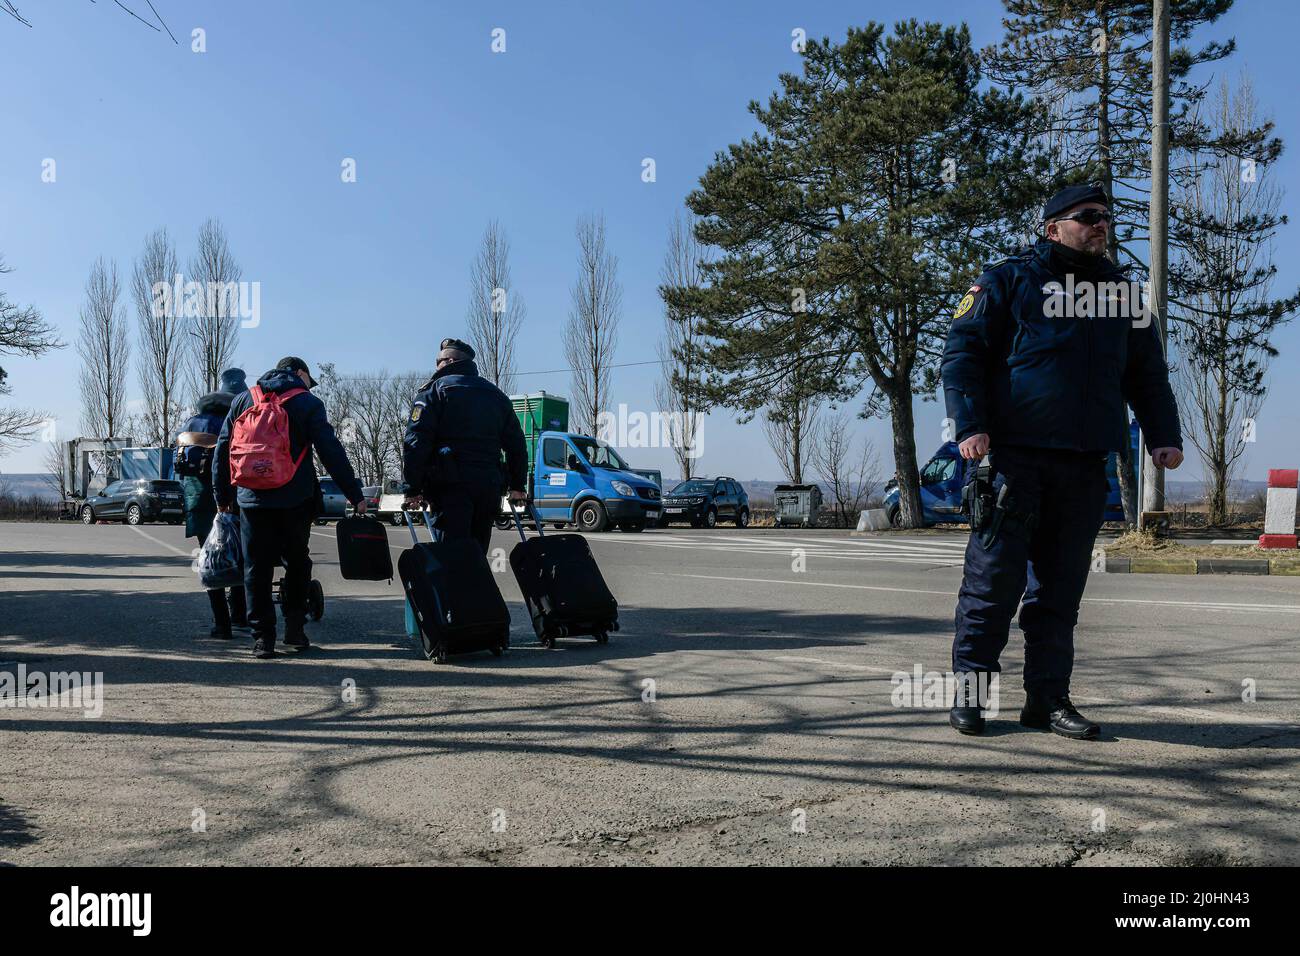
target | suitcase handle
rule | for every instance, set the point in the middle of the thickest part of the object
(520, 525)
(428, 522)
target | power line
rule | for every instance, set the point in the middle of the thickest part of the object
(545, 371)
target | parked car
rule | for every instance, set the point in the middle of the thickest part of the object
(333, 503)
(943, 475)
(136, 501)
(706, 501)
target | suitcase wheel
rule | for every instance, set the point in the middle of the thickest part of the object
(498, 651)
(602, 637)
(440, 655)
(316, 601)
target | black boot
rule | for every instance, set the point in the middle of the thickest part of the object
(238, 609)
(1055, 712)
(220, 614)
(295, 636)
(965, 714)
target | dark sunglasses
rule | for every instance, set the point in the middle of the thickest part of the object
(1089, 217)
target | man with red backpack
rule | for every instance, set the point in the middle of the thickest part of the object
(264, 450)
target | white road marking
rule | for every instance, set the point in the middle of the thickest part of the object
(1197, 605)
(189, 555)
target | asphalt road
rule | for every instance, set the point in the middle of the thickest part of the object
(771, 735)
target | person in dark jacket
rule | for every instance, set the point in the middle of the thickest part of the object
(276, 523)
(195, 444)
(1043, 353)
(459, 425)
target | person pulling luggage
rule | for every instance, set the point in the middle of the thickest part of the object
(264, 450)
(194, 455)
(459, 425)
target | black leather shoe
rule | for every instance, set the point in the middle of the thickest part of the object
(967, 720)
(1057, 714)
(264, 647)
(296, 637)
(221, 633)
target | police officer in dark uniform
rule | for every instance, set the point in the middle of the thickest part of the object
(1043, 352)
(459, 425)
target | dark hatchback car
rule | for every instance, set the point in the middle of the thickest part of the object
(333, 504)
(136, 501)
(706, 501)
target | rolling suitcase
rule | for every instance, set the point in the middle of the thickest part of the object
(454, 596)
(563, 589)
(363, 550)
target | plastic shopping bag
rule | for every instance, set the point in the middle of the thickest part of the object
(220, 561)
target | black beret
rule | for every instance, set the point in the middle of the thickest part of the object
(1071, 196)
(458, 345)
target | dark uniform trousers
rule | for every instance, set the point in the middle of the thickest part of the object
(464, 510)
(272, 535)
(1066, 492)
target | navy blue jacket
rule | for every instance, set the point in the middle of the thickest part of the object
(308, 427)
(1018, 370)
(459, 425)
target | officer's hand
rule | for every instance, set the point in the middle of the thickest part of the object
(360, 506)
(518, 495)
(224, 509)
(1167, 457)
(413, 503)
(976, 447)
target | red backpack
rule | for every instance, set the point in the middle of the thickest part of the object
(259, 442)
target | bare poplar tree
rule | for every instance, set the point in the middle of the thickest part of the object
(678, 392)
(105, 349)
(496, 310)
(214, 335)
(162, 337)
(851, 478)
(592, 331)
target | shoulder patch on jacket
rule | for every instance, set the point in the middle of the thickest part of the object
(967, 302)
(416, 409)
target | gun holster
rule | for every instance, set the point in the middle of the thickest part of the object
(977, 498)
(992, 513)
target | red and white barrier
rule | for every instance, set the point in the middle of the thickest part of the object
(1279, 509)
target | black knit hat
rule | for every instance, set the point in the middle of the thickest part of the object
(1071, 196)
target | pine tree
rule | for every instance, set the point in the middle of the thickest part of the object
(852, 223)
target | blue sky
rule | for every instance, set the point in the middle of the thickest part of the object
(447, 135)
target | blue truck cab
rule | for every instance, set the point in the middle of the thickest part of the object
(941, 484)
(577, 479)
(580, 480)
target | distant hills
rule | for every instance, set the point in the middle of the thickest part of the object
(27, 485)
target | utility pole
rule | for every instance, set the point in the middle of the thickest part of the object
(1153, 490)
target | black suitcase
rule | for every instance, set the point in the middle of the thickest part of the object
(451, 589)
(563, 589)
(363, 550)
